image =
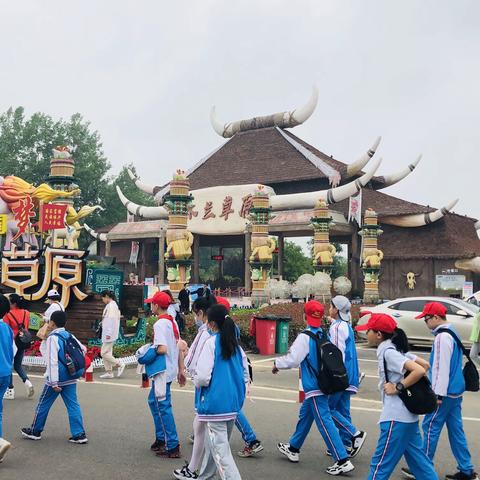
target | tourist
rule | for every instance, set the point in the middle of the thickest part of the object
(342, 335)
(18, 318)
(184, 299)
(60, 381)
(174, 312)
(221, 373)
(6, 362)
(448, 383)
(166, 336)
(303, 354)
(475, 339)
(110, 331)
(53, 299)
(399, 430)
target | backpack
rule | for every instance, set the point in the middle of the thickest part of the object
(331, 375)
(23, 338)
(470, 373)
(74, 358)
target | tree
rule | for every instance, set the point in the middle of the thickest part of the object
(295, 262)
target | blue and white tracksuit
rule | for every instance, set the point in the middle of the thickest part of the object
(315, 407)
(399, 430)
(341, 335)
(447, 381)
(58, 376)
(6, 362)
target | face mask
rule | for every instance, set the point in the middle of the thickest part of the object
(198, 323)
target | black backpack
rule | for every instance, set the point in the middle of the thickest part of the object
(331, 373)
(23, 339)
(74, 358)
(470, 373)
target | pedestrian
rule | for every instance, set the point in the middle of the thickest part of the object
(221, 374)
(6, 362)
(475, 339)
(174, 312)
(53, 299)
(448, 383)
(184, 298)
(61, 380)
(165, 339)
(18, 319)
(303, 354)
(110, 331)
(342, 335)
(399, 429)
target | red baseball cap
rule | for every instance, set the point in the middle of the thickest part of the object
(161, 299)
(314, 312)
(433, 308)
(380, 322)
(223, 301)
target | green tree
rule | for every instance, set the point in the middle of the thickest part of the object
(295, 262)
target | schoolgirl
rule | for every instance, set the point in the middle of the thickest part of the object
(341, 334)
(399, 430)
(221, 376)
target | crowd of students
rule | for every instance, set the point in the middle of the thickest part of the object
(220, 372)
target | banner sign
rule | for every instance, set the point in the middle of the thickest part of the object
(107, 280)
(52, 216)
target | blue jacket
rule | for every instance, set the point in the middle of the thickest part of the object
(6, 350)
(224, 395)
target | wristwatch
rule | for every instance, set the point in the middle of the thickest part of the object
(400, 387)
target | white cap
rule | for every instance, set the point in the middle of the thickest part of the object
(343, 305)
(53, 294)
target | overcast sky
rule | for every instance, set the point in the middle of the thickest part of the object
(145, 73)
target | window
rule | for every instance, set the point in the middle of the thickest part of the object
(410, 305)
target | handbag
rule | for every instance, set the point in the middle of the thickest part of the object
(418, 398)
(99, 330)
(44, 331)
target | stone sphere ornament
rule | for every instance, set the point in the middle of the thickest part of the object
(342, 285)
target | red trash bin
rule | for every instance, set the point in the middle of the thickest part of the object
(265, 335)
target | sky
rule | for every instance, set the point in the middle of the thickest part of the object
(146, 73)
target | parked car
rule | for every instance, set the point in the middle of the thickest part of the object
(404, 310)
(475, 299)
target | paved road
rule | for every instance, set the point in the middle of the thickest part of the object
(120, 430)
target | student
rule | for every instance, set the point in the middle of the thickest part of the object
(110, 331)
(59, 382)
(184, 299)
(18, 317)
(448, 384)
(165, 338)
(399, 430)
(475, 339)
(53, 299)
(303, 354)
(341, 334)
(221, 374)
(6, 362)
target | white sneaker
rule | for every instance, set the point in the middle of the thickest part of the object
(9, 394)
(107, 375)
(4, 446)
(29, 388)
(121, 369)
(337, 469)
(357, 444)
(284, 449)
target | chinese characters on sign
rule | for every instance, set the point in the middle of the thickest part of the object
(208, 211)
(23, 212)
(227, 209)
(52, 217)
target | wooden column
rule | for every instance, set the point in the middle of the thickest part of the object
(354, 263)
(161, 257)
(196, 259)
(247, 250)
(108, 245)
(281, 245)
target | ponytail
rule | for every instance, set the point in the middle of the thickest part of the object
(201, 304)
(399, 339)
(17, 300)
(218, 314)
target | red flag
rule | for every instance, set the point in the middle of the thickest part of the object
(52, 216)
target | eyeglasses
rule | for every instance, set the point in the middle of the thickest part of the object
(427, 318)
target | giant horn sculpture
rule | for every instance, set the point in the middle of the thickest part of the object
(477, 225)
(144, 187)
(470, 264)
(282, 119)
(99, 236)
(419, 219)
(356, 167)
(333, 195)
(140, 210)
(389, 180)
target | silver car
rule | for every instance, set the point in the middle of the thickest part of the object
(404, 310)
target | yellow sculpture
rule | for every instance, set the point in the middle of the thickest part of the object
(262, 249)
(179, 244)
(324, 253)
(411, 279)
(372, 257)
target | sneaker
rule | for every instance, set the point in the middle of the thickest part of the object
(4, 446)
(357, 444)
(121, 369)
(284, 449)
(173, 453)
(29, 388)
(407, 473)
(9, 394)
(250, 449)
(191, 438)
(157, 445)
(31, 434)
(79, 439)
(340, 468)
(107, 375)
(462, 476)
(184, 472)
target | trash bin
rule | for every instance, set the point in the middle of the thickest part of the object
(281, 344)
(265, 333)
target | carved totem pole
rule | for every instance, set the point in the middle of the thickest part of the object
(262, 245)
(179, 240)
(371, 256)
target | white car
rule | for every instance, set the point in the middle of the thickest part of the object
(404, 310)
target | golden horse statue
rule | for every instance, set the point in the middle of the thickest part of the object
(180, 248)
